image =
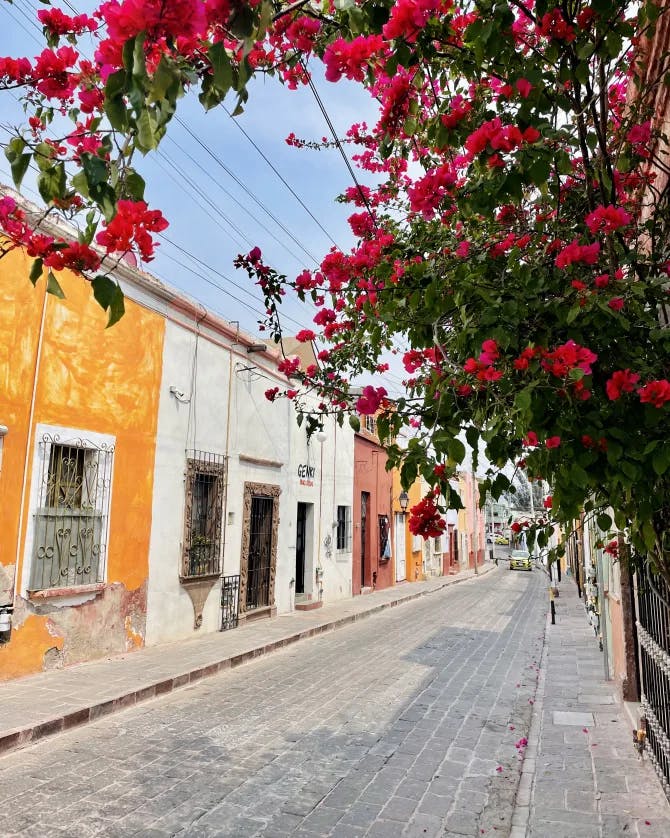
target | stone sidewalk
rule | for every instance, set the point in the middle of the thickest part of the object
(40, 705)
(581, 777)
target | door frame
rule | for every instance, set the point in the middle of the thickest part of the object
(265, 490)
(399, 522)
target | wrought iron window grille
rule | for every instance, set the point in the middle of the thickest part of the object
(344, 529)
(205, 480)
(72, 515)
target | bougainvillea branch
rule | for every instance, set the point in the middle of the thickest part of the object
(515, 232)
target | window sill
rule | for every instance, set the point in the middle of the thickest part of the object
(48, 593)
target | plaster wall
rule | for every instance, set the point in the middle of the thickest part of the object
(370, 476)
(60, 367)
(330, 486)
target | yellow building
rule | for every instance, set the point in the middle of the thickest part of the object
(408, 552)
(79, 406)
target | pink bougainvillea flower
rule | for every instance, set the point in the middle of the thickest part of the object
(553, 442)
(369, 402)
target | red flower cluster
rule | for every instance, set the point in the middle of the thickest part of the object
(289, 366)
(499, 137)
(554, 26)
(425, 519)
(131, 227)
(567, 357)
(607, 219)
(409, 16)
(576, 253)
(58, 23)
(350, 58)
(305, 336)
(370, 401)
(656, 393)
(622, 381)
(51, 70)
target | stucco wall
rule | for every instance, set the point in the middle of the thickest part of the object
(96, 381)
(370, 476)
(223, 410)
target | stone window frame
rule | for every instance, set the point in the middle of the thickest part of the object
(46, 436)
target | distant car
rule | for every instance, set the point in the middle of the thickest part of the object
(520, 560)
(501, 539)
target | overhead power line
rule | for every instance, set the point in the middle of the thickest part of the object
(245, 188)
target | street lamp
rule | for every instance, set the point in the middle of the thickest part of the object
(403, 500)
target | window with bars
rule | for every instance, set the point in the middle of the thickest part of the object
(437, 544)
(72, 513)
(205, 476)
(344, 528)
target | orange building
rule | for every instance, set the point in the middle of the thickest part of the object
(372, 565)
(79, 406)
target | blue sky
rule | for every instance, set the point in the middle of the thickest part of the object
(185, 188)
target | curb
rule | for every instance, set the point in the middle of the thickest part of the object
(29, 734)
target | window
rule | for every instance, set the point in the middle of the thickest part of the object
(384, 538)
(370, 424)
(344, 528)
(71, 517)
(437, 544)
(205, 475)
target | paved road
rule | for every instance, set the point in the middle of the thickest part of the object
(402, 724)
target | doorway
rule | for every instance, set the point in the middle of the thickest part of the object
(365, 505)
(300, 548)
(400, 557)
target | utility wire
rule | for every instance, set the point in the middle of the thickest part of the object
(236, 201)
(282, 179)
(194, 188)
(246, 189)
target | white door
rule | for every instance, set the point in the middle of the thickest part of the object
(400, 570)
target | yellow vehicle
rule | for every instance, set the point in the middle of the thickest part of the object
(501, 539)
(520, 560)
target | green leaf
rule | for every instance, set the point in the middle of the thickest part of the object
(242, 24)
(53, 287)
(134, 185)
(36, 271)
(456, 450)
(222, 71)
(354, 422)
(661, 460)
(94, 169)
(109, 296)
(146, 132)
(523, 399)
(604, 522)
(51, 182)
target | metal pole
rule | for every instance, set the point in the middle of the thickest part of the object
(475, 500)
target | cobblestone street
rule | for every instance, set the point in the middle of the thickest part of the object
(396, 725)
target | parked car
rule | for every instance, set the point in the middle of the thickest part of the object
(520, 560)
(501, 539)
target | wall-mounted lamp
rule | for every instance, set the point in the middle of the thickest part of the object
(321, 436)
(4, 430)
(256, 347)
(403, 500)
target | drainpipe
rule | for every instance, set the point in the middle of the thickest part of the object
(475, 499)
(227, 449)
(29, 437)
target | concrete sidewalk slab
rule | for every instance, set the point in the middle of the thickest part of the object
(583, 776)
(41, 705)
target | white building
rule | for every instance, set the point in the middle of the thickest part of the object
(246, 509)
